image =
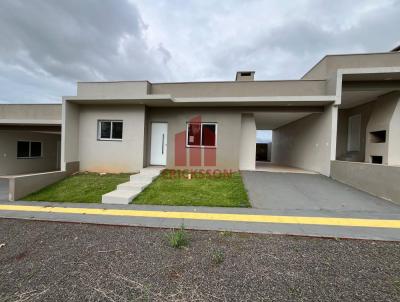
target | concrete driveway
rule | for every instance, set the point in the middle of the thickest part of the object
(308, 192)
(3, 189)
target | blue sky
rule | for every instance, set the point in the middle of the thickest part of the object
(47, 46)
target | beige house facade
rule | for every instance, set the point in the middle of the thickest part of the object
(30, 138)
(343, 115)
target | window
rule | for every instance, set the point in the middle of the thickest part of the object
(109, 130)
(27, 149)
(201, 135)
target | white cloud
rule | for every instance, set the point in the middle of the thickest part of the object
(48, 45)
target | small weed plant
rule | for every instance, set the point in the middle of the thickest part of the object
(218, 257)
(178, 238)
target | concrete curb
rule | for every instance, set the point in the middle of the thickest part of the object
(173, 217)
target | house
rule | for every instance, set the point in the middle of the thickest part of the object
(341, 119)
(30, 138)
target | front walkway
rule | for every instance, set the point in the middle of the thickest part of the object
(298, 193)
(127, 191)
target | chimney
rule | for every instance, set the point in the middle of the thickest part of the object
(245, 76)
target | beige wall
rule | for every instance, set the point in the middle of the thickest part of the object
(49, 113)
(329, 64)
(379, 180)
(394, 137)
(305, 143)
(241, 89)
(70, 134)
(23, 185)
(229, 128)
(342, 133)
(112, 90)
(269, 152)
(111, 156)
(380, 119)
(11, 165)
(248, 140)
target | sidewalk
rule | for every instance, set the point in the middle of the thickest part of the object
(356, 225)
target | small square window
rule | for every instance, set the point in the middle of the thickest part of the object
(27, 149)
(201, 135)
(110, 130)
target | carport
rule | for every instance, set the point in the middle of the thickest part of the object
(300, 192)
(301, 139)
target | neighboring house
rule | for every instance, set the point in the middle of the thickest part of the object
(30, 138)
(341, 119)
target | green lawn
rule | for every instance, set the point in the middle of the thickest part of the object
(81, 187)
(213, 192)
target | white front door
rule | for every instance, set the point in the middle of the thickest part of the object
(158, 153)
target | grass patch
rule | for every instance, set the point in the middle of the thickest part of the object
(226, 233)
(218, 256)
(81, 187)
(212, 192)
(178, 238)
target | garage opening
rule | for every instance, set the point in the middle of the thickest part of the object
(290, 141)
(263, 145)
(29, 149)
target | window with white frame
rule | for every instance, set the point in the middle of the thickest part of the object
(109, 130)
(28, 149)
(201, 135)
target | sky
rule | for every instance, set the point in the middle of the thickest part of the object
(264, 136)
(46, 46)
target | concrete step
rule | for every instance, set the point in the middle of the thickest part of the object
(127, 191)
(133, 185)
(149, 174)
(142, 178)
(120, 196)
(151, 171)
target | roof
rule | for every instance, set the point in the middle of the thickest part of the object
(396, 49)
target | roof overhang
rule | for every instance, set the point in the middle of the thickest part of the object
(30, 122)
(357, 86)
(169, 101)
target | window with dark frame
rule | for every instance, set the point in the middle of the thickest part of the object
(110, 130)
(201, 135)
(29, 149)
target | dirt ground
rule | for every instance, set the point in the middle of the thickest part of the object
(46, 261)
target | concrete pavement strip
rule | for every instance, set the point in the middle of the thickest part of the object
(346, 224)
